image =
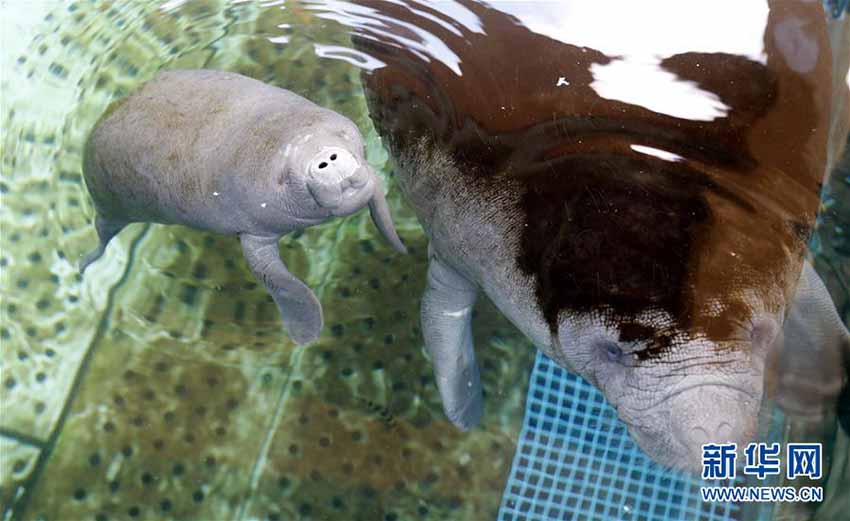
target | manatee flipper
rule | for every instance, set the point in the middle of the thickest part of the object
(812, 347)
(380, 212)
(447, 328)
(299, 308)
(106, 230)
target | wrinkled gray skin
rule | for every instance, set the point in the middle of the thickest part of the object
(810, 352)
(222, 152)
(468, 170)
(672, 406)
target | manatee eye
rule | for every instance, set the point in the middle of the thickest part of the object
(613, 351)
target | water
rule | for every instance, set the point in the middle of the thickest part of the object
(160, 384)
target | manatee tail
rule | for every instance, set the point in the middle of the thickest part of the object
(106, 230)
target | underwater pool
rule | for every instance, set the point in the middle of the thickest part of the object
(160, 384)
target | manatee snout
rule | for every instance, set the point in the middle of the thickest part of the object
(340, 184)
(698, 392)
(720, 401)
(680, 420)
(712, 413)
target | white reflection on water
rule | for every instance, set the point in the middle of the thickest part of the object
(422, 43)
(631, 29)
(346, 54)
(642, 81)
(171, 5)
(661, 154)
(452, 10)
(639, 35)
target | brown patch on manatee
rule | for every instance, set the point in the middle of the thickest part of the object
(610, 232)
(604, 229)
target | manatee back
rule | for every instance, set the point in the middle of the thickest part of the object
(613, 202)
(159, 154)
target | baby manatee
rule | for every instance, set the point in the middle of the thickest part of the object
(222, 152)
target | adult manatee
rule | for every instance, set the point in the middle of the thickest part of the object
(633, 190)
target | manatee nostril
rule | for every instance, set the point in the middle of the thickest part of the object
(723, 431)
(700, 435)
(332, 166)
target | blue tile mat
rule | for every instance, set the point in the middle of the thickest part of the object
(576, 461)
